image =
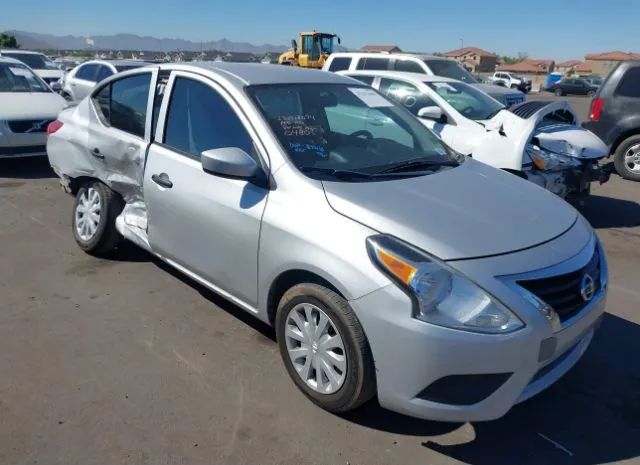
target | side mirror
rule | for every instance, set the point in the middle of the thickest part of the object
(56, 86)
(339, 41)
(229, 161)
(432, 112)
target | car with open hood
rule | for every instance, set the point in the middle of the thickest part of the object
(387, 263)
(27, 106)
(539, 141)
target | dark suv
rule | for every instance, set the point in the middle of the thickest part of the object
(571, 86)
(615, 117)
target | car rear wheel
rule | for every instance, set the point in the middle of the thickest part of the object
(627, 158)
(94, 218)
(324, 348)
(591, 93)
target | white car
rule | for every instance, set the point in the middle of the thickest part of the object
(27, 106)
(539, 141)
(46, 69)
(78, 82)
(502, 78)
(419, 64)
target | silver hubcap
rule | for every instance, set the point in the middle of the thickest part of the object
(315, 348)
(632, 158)
(88, 214)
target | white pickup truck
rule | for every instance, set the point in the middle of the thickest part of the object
(510, 80)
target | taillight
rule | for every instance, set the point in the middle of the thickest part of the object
(53, 127)
(597, 104)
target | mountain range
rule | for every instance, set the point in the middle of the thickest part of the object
(133, 42)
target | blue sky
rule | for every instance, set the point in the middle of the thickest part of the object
(557, 29)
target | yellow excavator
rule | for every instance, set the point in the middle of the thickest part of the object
(311, 51)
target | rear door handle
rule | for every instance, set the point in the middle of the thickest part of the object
(162, 179)
(96, 153)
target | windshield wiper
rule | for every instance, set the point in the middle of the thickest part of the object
(341, 174)
(417, 163)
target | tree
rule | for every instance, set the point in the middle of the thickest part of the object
(8, 41)
(509, 60)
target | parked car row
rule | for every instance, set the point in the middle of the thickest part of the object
(334, 212)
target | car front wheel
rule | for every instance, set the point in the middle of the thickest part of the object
(559, 92)
(94, 218)
(627, 158)
(324, 348)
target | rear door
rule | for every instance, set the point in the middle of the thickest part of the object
(120, 129)
(205, 224)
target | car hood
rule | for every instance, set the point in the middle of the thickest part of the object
(30, 105)
(49, 73)
(466, 212)
(496, 90)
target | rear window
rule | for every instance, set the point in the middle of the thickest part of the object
(373, 63)
(630, 84)
(340, 64)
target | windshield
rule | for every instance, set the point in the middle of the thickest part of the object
(467, 100)
(330, 129)
(450, 69)
(15, 77)
(326, 44)
(32, 60)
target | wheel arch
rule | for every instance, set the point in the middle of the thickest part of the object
(622, 137)
(289, 278)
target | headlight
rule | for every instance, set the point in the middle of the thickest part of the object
(441, 295)
(547, 161)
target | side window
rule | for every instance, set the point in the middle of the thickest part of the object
(408, 66)
(368, 80)
(340, 64)
(103, 73)
(127, 107)
(373, 63)
(102, 100)
(200, 119)
(630, 84)
(405, 94)
(87, 72)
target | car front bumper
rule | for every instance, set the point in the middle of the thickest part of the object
(17, 145)
(570, 184)
(419, 364)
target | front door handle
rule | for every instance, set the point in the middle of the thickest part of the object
(96, 153)
(162, 179)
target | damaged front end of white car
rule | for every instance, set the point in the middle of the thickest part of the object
(543, 142)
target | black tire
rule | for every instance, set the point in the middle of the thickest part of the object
(618, 158)
(106, 237)
(558, 92)
(359, 383)
(591, 93)
(514, 86)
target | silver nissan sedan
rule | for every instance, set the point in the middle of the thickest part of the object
(387, 263)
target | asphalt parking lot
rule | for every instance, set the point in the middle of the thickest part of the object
(126, 361)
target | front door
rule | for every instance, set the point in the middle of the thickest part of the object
(206, 224)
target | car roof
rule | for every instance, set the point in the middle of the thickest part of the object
(414, 77)
(387, 55)
(119, 62)
(244, 74)
(19, 50)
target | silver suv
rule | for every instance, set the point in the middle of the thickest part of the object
(387, 263)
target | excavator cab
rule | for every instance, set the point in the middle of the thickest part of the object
(311, 52)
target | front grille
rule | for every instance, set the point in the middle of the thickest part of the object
(563, 292)
(29, 125)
